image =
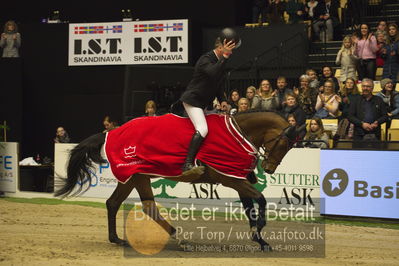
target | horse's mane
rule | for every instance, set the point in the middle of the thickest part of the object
(250, 111)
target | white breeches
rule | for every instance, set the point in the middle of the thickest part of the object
(197, 117)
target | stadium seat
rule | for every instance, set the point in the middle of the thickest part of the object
(395, 123)
(393, 134)
(383, 131)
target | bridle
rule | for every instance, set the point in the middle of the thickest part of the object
(265, 153)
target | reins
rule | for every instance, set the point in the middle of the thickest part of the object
(262, 151)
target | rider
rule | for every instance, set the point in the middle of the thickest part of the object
(205, 85)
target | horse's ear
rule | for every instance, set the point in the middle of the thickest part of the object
(289, 132)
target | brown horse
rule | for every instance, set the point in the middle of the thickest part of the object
(267, 131)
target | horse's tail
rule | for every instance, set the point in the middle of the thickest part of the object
(80, 165)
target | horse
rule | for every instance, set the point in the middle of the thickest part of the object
(267, 131)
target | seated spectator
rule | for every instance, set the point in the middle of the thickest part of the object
(316, 135)
(109, 124)
(233, 99)
(276, 11)
(306, 96)
(259, 8)
(251, 92)
(327, 73)
(326, 14)
(347, 59)
(266, 99)
(243, 105)
(381, 42)
(314, 81)
(310, 8)
(296, 11)
(299, 136)
(348, 92)
(282, 89)
(366, 51)
(61, 136)
(390, 98)
(390, 54)
(150, 108)
(10, 39)
(292, 107)
(367, 113)
(327, 106)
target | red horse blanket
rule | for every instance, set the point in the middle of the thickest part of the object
(159, 145)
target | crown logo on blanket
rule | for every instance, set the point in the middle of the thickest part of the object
(130, 151)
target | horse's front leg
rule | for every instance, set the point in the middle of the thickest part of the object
(256, 222)
(120, 193)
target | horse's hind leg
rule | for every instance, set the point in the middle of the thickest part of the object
(120, 193)
(143, 186)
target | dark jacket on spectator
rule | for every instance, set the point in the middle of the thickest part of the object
(357, 114)
(298, 113)
(321, 9)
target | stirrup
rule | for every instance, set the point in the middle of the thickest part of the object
(197, 170)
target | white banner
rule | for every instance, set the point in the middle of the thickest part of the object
(8, 166)
(296, 180)
(128, 43)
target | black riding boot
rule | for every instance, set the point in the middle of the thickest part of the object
(195, 144)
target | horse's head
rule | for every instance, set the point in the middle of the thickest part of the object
(270, 133)
(276, 146)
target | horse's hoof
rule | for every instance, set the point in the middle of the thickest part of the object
(266, 248)
(120, 242)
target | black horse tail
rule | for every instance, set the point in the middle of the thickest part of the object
(80, 165)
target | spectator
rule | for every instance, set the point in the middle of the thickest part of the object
(327, 105)
(276, 11)
(109, 124)
(348, 93)
(326, 14)
(314, 81)
(347, 59)
(251, 92)
(282, 89)
(233, 99)
(292, 107)
(316, 135)
(259, 8)
(267, 99)
(296, 11)
(367, 113)
(310, 7)
(355, 12)
(381, 42)
(366, 51)
(299, 136)
(61, 136)
(306, 96)
(390, 54)
(390, 98)
(243, 105)
(327, 73)
(10, 39)
(382, 27)
(150, 108)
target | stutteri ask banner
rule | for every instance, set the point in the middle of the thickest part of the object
(128, 43)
